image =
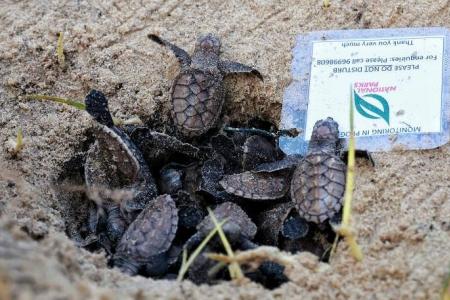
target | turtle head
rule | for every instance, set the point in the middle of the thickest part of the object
(325, 130)
(325, 134)
(208, 43)
(97, 107)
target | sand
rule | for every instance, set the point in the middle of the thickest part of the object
(401, 206)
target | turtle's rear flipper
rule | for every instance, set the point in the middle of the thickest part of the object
(230, 67)
(97, 107)
(182, 56)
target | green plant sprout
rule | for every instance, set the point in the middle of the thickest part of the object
(344, 229)
(19, 142)
(234, 268)
(82, 106)
(187, 262)
(73, 103)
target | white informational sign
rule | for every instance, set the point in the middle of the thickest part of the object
(397, 77)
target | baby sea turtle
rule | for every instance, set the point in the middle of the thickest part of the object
(289, 162)
(270, 223)
(211, 173)
(294, 227)
(147, 239)
(281, 221)
(267, 181)
(159, 147)
(226, 148)
(171, 179)
(238, 228)
(256, 186)
(197, 94)
(190, 211)
(318, 183)
(114, 162)
(258, 150)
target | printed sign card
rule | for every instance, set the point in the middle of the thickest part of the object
(399, 79)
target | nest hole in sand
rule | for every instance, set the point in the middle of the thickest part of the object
(277, 221)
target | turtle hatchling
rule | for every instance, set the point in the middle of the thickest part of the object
(114, 162)
(318, 183)
(198, 94)
(238, 228)
(148, 238)
(256, 186)
(267, 181)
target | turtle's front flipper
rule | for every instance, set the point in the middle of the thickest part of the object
(116, 225)
(182, 56)
(228, 67)
(193, 241)
(97, 107)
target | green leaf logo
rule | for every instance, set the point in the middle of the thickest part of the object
(371, 111)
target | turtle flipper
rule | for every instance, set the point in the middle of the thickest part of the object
(116, 225)
(182, 56)
(193, 241)
(229, 67)
(97, 107)
(247, 244)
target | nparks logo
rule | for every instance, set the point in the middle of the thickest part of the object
(370, 104)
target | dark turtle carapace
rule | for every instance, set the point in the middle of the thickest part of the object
(318, 183)
(267, 181)
(239, 228)
(256, 186)
(197, 94)
(148, 238)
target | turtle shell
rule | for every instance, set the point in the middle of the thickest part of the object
(210, 174)
(234, 215)
(197, 99)
(150, 234)
(258, 150)
(113, 161)
(287, 163)
(270, 222)
(225, 146)
(256, 186)
(318, 186)
(158, 147)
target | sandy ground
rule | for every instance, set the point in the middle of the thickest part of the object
(401, 209)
